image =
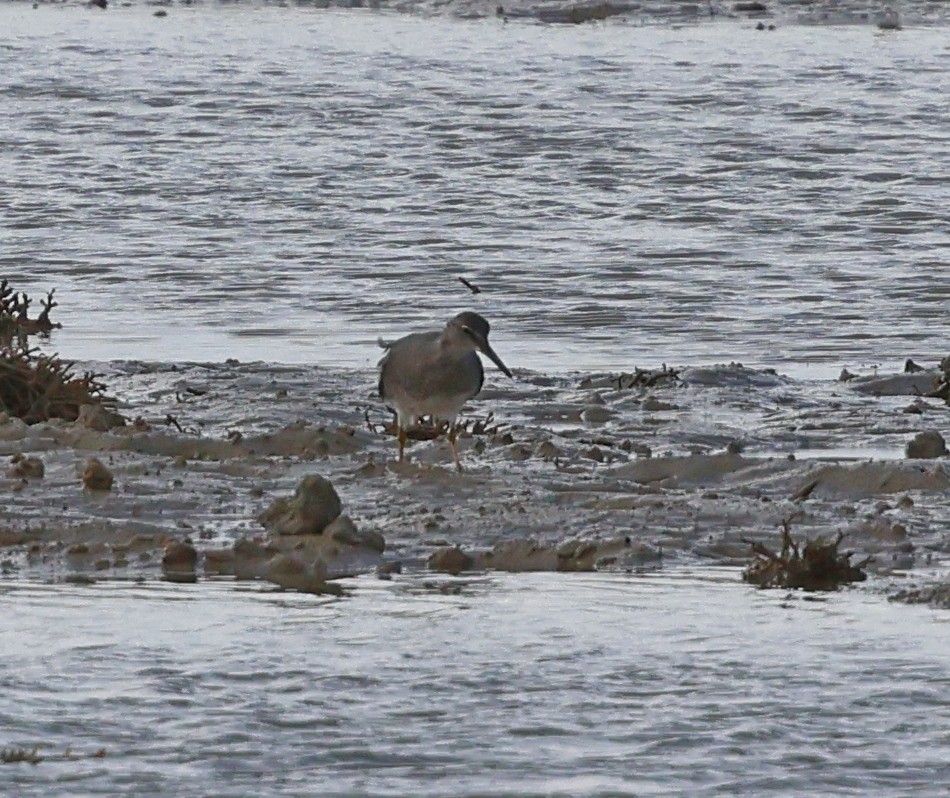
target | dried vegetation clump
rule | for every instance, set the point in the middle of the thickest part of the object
(647, 378)
(36, 387)
(816, 565)
(665, 376)
(15, 321)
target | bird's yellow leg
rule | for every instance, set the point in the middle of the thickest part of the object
(453, 433)
(402, 443)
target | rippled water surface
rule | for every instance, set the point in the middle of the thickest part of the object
(516, 686)
(288, 184)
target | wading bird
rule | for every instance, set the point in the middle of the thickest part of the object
(435, 373)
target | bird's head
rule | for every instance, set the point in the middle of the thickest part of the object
(472, 329)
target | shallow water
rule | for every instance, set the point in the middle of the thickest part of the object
(287, 184)
(618, 685)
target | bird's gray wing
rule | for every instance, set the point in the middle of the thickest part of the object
(382, 375)
(481, 373)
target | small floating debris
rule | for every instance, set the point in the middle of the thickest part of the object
(470, 286)
(815, 565)
(753, 7)
(889, 20)
(13, 755)
(9, 756)
(578, 14)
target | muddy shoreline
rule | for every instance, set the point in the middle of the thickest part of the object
(782, 12)
(685, 470)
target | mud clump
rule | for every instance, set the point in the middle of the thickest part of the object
(99, 418)
(640, 378)
(314, 505)
(450, 560)
(926, 445)
(343, 532)
(519, 554)
(292, 572)
(305, 563)
(309, 543)
(523, 555)
(96, 477)
(937, 596)
(25, 467)
(180, 562)
(816, 565)
(248, 559)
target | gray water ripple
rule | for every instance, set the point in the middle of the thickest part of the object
(549, 166)
(617, 685)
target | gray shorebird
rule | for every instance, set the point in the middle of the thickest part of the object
(435, 373)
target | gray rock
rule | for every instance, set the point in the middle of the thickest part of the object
(547, 450)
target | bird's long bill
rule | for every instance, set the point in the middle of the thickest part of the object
(485, 348)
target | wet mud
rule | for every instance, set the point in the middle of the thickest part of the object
(575, 472)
